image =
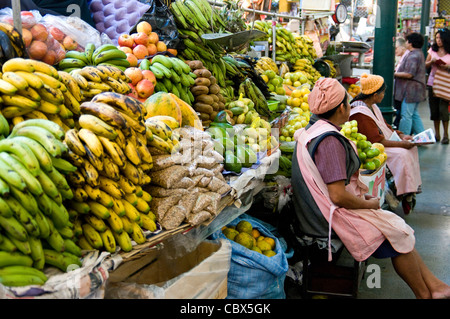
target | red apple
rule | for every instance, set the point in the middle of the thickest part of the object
(69, 43)
(39, 32)
(125, 40)
(145, 88)
(132, 59)
(141, 38)
(37, 50)
(126, 49)
(148, 75)
(144, 26)
(140, 51)
(135, 74)
(27, 37)
(56, 33)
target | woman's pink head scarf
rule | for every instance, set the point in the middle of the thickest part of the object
(327, 94)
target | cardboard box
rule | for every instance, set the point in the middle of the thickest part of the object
(199, 274)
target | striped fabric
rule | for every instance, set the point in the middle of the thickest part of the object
(441, 84)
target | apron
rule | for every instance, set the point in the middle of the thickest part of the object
(403, 163)
(361, 230)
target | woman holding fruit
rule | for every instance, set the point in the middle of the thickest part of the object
(402, 156)
(326, 185)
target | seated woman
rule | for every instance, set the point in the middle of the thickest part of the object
(402, 156)
(326, 165)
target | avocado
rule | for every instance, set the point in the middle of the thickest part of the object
(221, 117)
(232, 163)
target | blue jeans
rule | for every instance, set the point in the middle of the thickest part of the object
(410, 122)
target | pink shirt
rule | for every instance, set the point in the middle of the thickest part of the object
(445, 58)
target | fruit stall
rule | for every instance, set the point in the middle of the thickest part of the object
(122, 152)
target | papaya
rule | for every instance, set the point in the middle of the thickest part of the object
(162, 103)
(188, 115)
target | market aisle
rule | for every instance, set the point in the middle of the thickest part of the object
(430, 220)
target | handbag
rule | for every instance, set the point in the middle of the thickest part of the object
(441, 84)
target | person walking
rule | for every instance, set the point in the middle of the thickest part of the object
(400, 52)
(439, 58)
(325, 182)
(410, 85)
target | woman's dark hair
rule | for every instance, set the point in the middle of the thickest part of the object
(445, 38)
(362, 96)
(330, 113)
(416, 40)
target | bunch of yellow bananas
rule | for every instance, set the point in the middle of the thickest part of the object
(330, 63)
(93, 80)
(35, 227)
(31, 89)
(109, 147)
(266, 63)
(306, 67)
(161, 134)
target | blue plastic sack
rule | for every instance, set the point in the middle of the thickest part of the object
(253, 275)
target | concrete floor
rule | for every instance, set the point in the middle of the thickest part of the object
(430, 221)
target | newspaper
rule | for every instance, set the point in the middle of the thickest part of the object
(425, 137)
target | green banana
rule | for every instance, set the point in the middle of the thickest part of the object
(109, 55)
(44, 159)
(49, 187)
(69, 63)
(89, 51)
(44, 227)
(59, 260)
(14, 228)
(23, 270)
(23, 216)
(23, 152)
(31, 181)
(51, 144)
(10, 176)
(7, 245)
(14, 258)
(102, 48)
(22, 246)
(37, 252)
(198, 16)
(164, 69)
(73, 54)
(166, 61)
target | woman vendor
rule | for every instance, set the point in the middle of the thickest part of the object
(325, 180)
(402, 156)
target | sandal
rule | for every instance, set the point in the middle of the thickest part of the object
(444, 140)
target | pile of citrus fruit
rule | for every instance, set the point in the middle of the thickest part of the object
(299, 115)
(244, 234)
(274, 82)
(371, 155)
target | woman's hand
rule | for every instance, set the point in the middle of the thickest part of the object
(407, 144)
(373, 203)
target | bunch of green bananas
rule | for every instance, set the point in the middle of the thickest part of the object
(110, 150)
(33, 89)
(195, 18)
(11, 43)
(93, 80)
(249, 90)
(172, 74)
(106, 54)
(35, 226)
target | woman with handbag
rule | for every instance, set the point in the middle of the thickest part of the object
(439, 59)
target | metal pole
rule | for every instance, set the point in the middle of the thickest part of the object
(384, 52)
(424, 22)
(16, 15)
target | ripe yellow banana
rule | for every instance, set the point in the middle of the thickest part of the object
(159, 128)
(84, 244)
(123, 240)
(90, 174)
(97, 223)
(132, 153)
(74, 143)
(97, 162)
(110, 169)
(126, 224)
(131, 212)
(81, 81)
(111, 187)
(114, 151)
(126, 104)
(115, 222)
(71, 84)
(137, 234)
(98, 126)
(92, 236)
(131, 173)
(126, 185)
(71, 103)
(169, 120)
(142, 205)
(33, 80)
(20, 101)
(93, 192)
(106, 199)
(109, 242)
(80, 194)
(99, 210)
(91, 141)
(18, 64)
(147, 222)
(19, 82)
(118, 207)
